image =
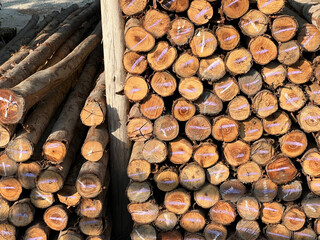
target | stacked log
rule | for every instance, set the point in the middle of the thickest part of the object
(54, 160)
(224, 118)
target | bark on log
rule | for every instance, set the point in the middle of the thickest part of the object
(309, 10)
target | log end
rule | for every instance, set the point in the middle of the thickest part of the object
(54, 151)
(12, 106)
(91, 114)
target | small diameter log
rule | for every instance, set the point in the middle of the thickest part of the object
(309, 163)
(190, 88)
(206, 154)
(291, 98)
(317, 226)
(152, 106)
(138, 169)
(183, 109)
(250, 83)
(7, 231)
(200, 12)
(21, 213)
(239, 108)
(145, 231)
(270, 7)
(248, 229)
(175, 6)
(95, 143)
(139, 192)
(6, 132)
(135, 88)
(91, 177)
(186, 65)
(41, 199)
(194, 236)
(232, 190)
(166, 179)
(262, 151)
(180, 31)
(156, 22)
(4, 209)
(198, 128)
(311, 206)
(134, 63)
(161, 56)
(215, 231)
(264, 103)
(236, 153)
(56, 217)
(277, 124)
(265, 190)
(223, 213)
(314, 185)
(136, 37)
(207, 196)
(308, 118)
(163, 83)
(289, 52)
(263, 49)
(166, 128)
(94, 110)
(209, 104)
(69, 235)
(179, 151)
(294, 218)
(248, 208)
(192, 176)
(93, 207)
(251, 129)
(284, 28)
(203, 43)
(225, 129)
(139, 129)
(238, 61)
(305, 234)
(293, 143)
(28, 173)
(171, 235)
(10, 188)
(254, 23)
(154, 151)
(226, 88)
(232, 10)
(143, 213)
(166, 221)
(8, 167)
(274, 74)
(249, 172)
(132, 7)
(313, 92)
(218, 173)
(309, 38)
(281, 170)
(271, 213)
(290, 192)
(300, 72)
(177, 201)
(193, 221)
(212, 69)
(38, 230)
(228, 37)
(278, 232)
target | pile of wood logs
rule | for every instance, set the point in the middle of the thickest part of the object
(225, 117)
(53, 135)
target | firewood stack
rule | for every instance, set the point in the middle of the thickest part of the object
(225, 120)
(53, 135)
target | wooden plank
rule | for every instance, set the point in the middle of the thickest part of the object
(117, 109)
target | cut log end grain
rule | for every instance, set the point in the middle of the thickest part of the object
(206, 154)
(308, 118)
(239, 108)
(311, 206)
(8, 167)
(263, 50)
(209, 104)
(294, 143)
(54, 151)
(56, 217)
(166, 180)
(181, 31)
(41, 199)
(281, 170)
(203, 43)
(265, 103)
(309, 38)
(28, 173)
(218, 173)
(225, 129)
(215, 231)
(232, 190)
(300, 72)
(152, 107)
(193, 221)
(21, 213)
(254, 23)
(314, 186)
(190, 88)
(228, 37)
(198, 128)
(186, 65)
(194, 236)
(207, 196)
(19, 149)
(132, 7)
(138, 192)
(310, 163)
(236, 153)
(12, 107)
(289, 52)
(170, 235)
(262, 151)
(226, 88)
(251, 129)
(177, 201)
(192, 176)
(235, 10)
(91, 226)
(251, 82)
(183, 110)
(238, 61)
(166, 128)
(143, 213)
(313, 92)
(270, 7)
(70, 235)
(278, 232)
(134, 63)
(6, 132)
(248, 229)
(294, 218)
(274, 74)
(37, 231)
(92, 114)
(50, 181)
(223, 213)
(200, 12)
(248, 208)
(249, 172)
(179, 151)
(271, 213)
(156, 22)
(291, 98)
(136, 88)
(10, 189)
(139, 129)
(277, 124)
(162, 56)
(145, 231)
(69, 196)
(8, 230)
(265, 190)
(4, 210)
(212, 69)
(305, 234)
(284, 28)
(290, 192)
(163, 83)
(91, 207)
(166, 221)
(317, 226)
(175, 5)
(154, 151)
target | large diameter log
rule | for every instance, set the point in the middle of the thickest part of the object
(24, 95)
(10, 188)
(56, 217)
(144, 231)
(7, 231)
(21, 213)
(284, 28)
(265, 190)
(281, 170)
(254, 23)
(38, 230)
(8, 167)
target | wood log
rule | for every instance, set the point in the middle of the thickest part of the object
(212, 69)
(207, 196)
(308, 118)
(293, 218)
(262, 151)
(236, 153)
(177, 201)
(308, 38)
(250, 83)
(223, 213)
(206, 154)
(306, 233)
(28, 173)
(175, 6)
(193, 221)
(272, 213)
(289, 52)
(162, 56)
(56, 217)
(166, 221)
(140, 129)
(200, 12)
(234, 11)
(313, 91)
(251, 129)
(310, 206)
(7, 231)
(217, 173)
(41, 199)
(283, 29)
(293, 143)
(4, 210)
(309, 10)
(316, 226)
(132, 8)
(145, 231)
(281, 170)
(232, 190)
(10, 188)
(166, 128)
(91, 226)
(180, 151)
(21, 213)
(265, 190)
(152, 107)
(186, 65)
(183, 109)
(248, 229)
(278, 231)
(228, 37)
(274, 74)
(249, 172)
(37, 230)
(209, 104)
(163, 83)
(238, 61)
(69, 235)
(270, 7)
(134, 63)
(155, 151)
(314, 186)
(215, 231)
(203, 43)
(248, 208)
(309, 162)
(290, 192)
(192, 176)
(8, 167)
(170, 235)
(143, 213)
(166, 179)
(226, 89)
(225, 129)
(198, 128)
(135, 88)
(278, 123)
(194, 236)
(291, 98)
(254, 23)
(16, 58)
(23, 95)
(264, 104)
(300, 72)
(263, 49)
(239, 108)
(181, 31)
(139, 192)
(156, 22)
(190, 88)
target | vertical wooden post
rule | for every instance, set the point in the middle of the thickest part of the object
(117, 109)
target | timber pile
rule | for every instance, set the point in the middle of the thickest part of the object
(53, 135)
(226, 120)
